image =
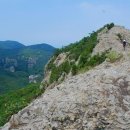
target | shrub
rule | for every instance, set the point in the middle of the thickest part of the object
(96, 59)
(50, 65)
(56, 72)
(12, 102)
(113, 56)
(74, 69)
(65, 67)
(119, 36)
(109, 26)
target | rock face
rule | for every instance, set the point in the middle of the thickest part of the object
(96, 100)
(111, 39)
(57, 62)
(60, 59)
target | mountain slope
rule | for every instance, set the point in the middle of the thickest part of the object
(10, 45)
(95, 100)
(98, 99)
(19, 63)
(12, 81)
(74, 58)
(12, 102)
(44, 46)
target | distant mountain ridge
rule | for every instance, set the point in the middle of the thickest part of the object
(10, 44)
(20, 61)
(44, 46)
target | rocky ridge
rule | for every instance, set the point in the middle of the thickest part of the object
(112, 39)
(96, 100)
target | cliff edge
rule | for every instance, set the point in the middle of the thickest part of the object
(98, 99)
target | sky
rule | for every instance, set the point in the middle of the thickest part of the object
(58, 22)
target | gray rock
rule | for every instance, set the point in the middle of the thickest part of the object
(97, 99)
(109, 39)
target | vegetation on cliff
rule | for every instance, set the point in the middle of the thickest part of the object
(12, 102)
(78, 59)
(79, 52)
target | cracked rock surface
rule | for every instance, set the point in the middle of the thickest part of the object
(96, 100)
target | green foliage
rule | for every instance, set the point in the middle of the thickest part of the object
(55, 74)
(109, 26)
(86, 52)
(93, 61)
(57, 71)
(57, 52)
(113, 56)
(79, 52)
(65, 67)
(21, 57)
(96, 59)
(74, 69)
(120, 36)
(12, 81)
(50, 65)
(12, 102)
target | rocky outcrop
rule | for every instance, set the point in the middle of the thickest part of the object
(57, 61)
(112, 39)
(60, 59)
(96, 100)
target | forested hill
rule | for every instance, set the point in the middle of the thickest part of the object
(20, 64)
(10, 44)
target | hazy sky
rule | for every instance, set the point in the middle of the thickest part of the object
(58, 22)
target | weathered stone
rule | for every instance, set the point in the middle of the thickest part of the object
(109, 39)
(97, 99)
(60, 59)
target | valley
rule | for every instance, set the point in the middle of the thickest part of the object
(21, 65)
